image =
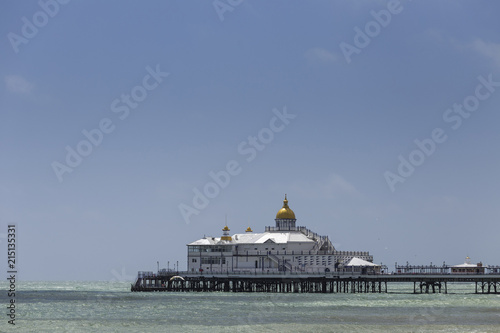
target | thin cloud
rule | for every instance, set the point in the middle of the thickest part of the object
(318, 55)
(336, 185)
(489, 50)
(486, 49)
(17, 84)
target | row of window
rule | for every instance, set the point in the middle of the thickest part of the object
(465, 270)
(311, 260)
(214, 248)
(266, 249)
(324, 259)
(212, 260)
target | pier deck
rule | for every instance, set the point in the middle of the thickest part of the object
(309, 283)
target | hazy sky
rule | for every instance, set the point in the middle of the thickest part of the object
(114, 114)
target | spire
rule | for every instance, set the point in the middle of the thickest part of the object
(285, 202)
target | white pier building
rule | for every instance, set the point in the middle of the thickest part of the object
(284, 247)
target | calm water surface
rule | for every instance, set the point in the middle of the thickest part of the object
(111, 307)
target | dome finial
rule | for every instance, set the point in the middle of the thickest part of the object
(285, 212)
(285, 202)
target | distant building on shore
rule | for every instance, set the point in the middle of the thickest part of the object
(284, 247)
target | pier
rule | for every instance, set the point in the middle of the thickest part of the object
(339, 282)
(287, 258)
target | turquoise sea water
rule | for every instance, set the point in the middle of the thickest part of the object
(111, 307)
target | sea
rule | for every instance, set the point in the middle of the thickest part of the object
(110, 307)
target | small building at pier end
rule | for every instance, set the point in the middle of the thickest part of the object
(284, 247)
(468, 268)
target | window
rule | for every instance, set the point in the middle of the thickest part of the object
(212, 260)
(194, 248)
(193, 260)
(219, 248)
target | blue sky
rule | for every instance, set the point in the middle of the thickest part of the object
(350, 120)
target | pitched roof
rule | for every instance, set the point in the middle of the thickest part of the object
(257, 238)
(360, 262)
(465, 265)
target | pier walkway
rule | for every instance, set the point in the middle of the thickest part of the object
(287, 282)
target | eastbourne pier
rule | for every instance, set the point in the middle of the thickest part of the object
(287, 258)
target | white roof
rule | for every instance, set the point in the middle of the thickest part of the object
(360, 262)
(257, 238)
(206, 241)
(465, 265)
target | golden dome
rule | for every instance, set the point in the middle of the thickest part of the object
(285, 212)
(225, 228)
(249, 230)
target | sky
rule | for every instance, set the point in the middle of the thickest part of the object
(130, 129)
